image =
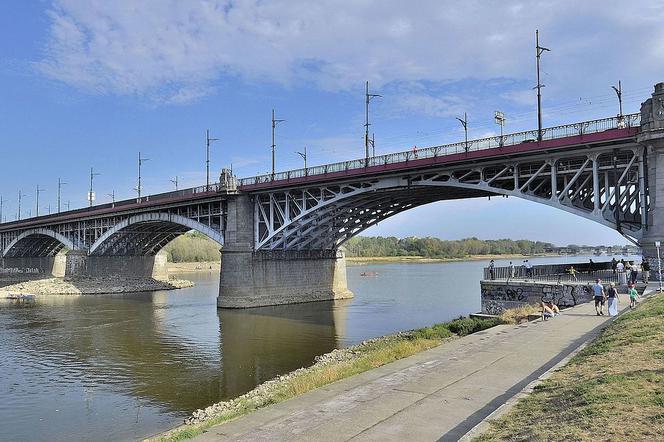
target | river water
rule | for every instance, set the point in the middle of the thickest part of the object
(122, 367)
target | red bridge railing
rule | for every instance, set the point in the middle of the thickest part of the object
(550, 133)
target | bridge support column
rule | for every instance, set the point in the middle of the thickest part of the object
(46, 266)
(652, 138)
(258, 278)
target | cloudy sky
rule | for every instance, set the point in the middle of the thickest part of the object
(91, 83)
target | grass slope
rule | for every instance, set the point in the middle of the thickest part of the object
(611, 390)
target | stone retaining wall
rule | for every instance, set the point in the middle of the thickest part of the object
(498, 296)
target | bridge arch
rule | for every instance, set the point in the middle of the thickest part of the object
(37, 242)
(147, 234)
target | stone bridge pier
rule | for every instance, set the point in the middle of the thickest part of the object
(652, 137)
(253, 278)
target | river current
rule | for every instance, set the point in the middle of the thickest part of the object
(123, 367)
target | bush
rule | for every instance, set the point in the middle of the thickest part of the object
(467, 326)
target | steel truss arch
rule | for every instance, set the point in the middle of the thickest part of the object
(603, 184)
(150, 232)
(46, 243)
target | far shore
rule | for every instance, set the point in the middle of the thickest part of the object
(186, 267)
(424, 259)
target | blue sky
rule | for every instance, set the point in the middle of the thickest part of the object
(90, 83)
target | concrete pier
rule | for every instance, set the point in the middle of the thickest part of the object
(259, 278)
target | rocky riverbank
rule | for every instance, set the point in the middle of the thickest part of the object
(90, 286)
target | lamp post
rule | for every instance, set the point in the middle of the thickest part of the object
(140, 163)
(274, 145)
(2, 201)
(539, 50)
(60, 184)
(464, 123)
(20, 195)
(499, 118)
(659, 263)
(175, 181)
(91, 193)
(208, 141)
(367, 140)
(37, 205)
(304, 157)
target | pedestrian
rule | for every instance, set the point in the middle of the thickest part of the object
(591, 265)
(633, 273)
(614, 263)
(632, 295)
(492, 270)
(622, 275)
(599, 297)
(645, 271)
(512, 270)
(529, 269)
(572, 273)
(549, 310)
(612, 297)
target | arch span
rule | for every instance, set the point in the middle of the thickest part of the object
(147, 233)
(37, 242)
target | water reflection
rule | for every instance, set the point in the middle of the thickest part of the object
(259, 344)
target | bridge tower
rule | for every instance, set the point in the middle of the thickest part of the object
(652, 137)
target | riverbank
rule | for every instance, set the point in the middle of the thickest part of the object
(612, 390)
(90, 286)
(328, 368)
(417, 259)
(187, 267)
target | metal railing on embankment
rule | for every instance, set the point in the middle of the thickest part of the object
(584, 272)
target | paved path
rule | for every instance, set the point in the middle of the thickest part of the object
(439, 394)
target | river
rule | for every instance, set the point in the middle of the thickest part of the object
(122, 367)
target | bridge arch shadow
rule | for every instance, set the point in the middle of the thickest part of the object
(146, 234)
(37, 243)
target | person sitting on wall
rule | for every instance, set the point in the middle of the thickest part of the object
(549, 310)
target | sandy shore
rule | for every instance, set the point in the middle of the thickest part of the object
(89, 286)
(186, 267)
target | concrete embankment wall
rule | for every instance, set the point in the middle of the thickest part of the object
(498, 296)
(44, 265)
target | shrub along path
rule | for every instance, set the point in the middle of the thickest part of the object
(439, 393)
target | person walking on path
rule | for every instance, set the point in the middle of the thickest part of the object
(645, 271)
(614, 263)
(632, 296)
(492, 270)
(529, 268)
(512, 270)
(633, 272)
(599, 297)
(612, 297)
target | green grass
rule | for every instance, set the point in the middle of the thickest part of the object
(367, 356)
(611, 390)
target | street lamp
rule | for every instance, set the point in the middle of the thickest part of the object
(91, 193)
(659, 264)
(539, 50)
(367, 141)
(464, 123)
(37, 205)
(274, 145)
(618, 91)
(140, 163)
(304, 157)
(60, 184)
(499, 118)
(175, 181)
(208, 141)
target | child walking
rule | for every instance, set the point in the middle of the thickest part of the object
(632, 296)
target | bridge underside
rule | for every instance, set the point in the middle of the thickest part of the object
(140, 239)
(36, 245)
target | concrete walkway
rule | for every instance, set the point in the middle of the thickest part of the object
(439, 394)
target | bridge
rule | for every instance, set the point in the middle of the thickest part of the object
(281, 232)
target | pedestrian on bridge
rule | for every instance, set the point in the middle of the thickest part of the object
(572, 273)
(512, 270)
(492, 270)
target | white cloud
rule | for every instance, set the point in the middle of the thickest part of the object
(174, 51)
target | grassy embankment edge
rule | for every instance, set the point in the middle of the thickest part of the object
(332, 367)
(612, 389)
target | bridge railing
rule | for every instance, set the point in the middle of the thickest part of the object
(550, 133)
(585, 272)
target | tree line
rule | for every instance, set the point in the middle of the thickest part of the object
(196, 247)
(371, 246)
